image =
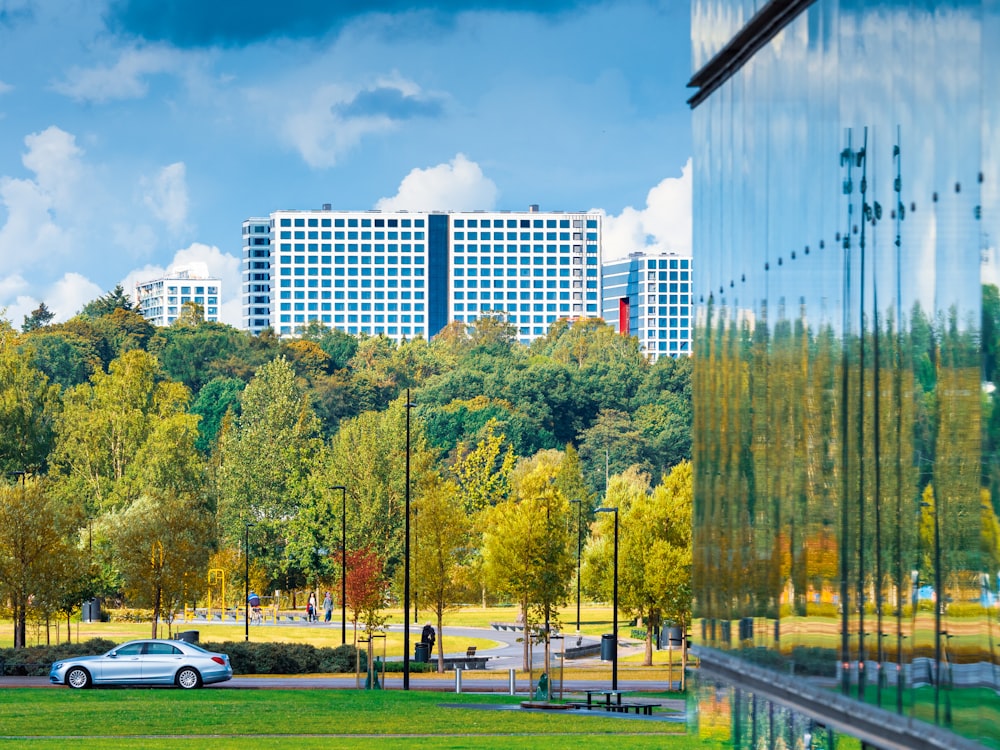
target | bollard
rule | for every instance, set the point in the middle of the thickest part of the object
(512, 682)
(458, 680)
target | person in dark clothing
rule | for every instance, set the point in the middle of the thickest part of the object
(427, 636)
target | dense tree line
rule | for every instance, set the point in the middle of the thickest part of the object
(150, 455)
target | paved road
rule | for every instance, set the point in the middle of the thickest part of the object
(508, 655)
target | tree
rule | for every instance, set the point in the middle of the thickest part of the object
(40, 317)
(368, 456)
(608, 447)
(162, 544)
(441, 545)
(483, 473)
(191, 314)
(67, 358)
(105, 305)
(214, 401)
(35, 558)
(654, 549)
(526, 546)
(366, 590)
(267, 461)
(29, 407)
(106, 423)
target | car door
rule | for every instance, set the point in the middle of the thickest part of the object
(160, 662)
(123, 665)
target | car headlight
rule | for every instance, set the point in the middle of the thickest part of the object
(57, 665)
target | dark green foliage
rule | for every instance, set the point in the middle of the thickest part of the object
(65, 356)
(195, 355)
(40, 317)
(214, 400)
(287, 658)
(114, 300)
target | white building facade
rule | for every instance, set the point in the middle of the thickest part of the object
(161, 300)
(408, 274)
(648, 295)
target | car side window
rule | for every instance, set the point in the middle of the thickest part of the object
(132, 649)
(161, 648)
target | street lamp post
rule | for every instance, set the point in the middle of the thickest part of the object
(406, 556)
(343, 562)
(246, 580)
(579, 536)
(614, 654)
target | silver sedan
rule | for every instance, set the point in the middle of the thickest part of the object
(149, 662)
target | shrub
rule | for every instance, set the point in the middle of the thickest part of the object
(35, 661)
(287, 658)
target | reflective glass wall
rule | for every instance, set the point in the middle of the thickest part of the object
(847, 430)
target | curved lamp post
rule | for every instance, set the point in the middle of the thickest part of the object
(343, 562)
(614, 654)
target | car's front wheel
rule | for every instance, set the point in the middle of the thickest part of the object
(78, 678)
(188, 678)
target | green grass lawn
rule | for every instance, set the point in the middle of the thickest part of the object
(222, 718)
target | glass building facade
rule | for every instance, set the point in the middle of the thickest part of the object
(847, 348)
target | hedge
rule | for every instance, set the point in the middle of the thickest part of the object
(246, 658)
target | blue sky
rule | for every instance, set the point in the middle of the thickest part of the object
(135, 135)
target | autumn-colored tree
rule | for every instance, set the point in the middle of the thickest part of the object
(366, 589)
(35, 557)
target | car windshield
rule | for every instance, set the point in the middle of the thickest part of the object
(196, 647)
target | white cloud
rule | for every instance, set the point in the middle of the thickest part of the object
(31, 231)
(5, 87)
(69, 294)
(166, 195)
(320, 136)
(457, 186)
(664, 225)
(128, 77)
(220, 265)
(65, 297)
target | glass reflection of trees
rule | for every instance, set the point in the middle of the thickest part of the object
(835, 468)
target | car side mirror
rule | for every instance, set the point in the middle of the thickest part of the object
(113, 655)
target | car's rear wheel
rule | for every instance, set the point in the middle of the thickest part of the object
(78, 678)
(188, 678)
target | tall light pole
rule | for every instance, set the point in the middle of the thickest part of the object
(343, 562)
(614, 654)
(406, 556)
(246, 579)
(579, 536)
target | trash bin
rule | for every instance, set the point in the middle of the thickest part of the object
(91, 610)
(422, 652)
(188, 636)
(607, 647)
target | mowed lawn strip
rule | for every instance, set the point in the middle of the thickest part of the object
(122, 713)
(451, 742)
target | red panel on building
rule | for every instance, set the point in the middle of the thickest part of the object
(623, 316)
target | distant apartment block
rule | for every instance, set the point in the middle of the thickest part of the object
(648, 296)
(255, 294)
(162, 299)
(408, 274)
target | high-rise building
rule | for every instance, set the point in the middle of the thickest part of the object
(648, 295)
(408, 274)
(162, 300)
(846, 433)
(255, 295)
